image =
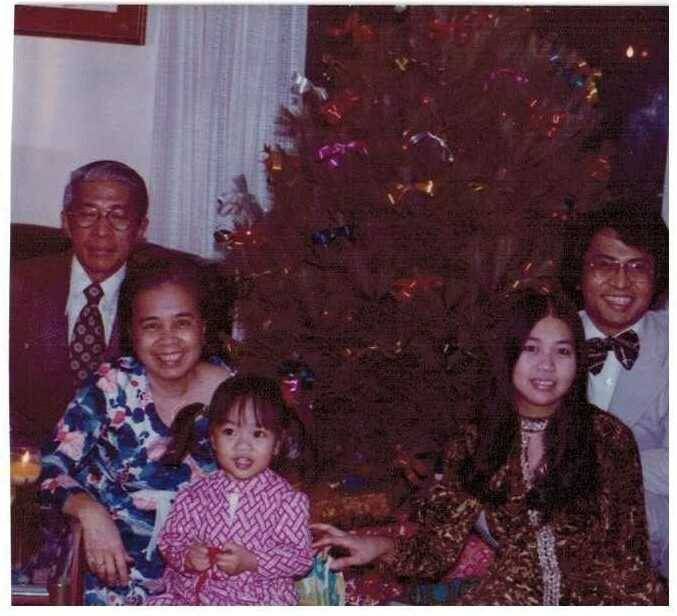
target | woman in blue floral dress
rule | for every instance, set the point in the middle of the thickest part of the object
(104, 464)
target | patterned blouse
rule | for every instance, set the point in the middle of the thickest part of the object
(108, 444)
(573, 560)
(263, 514)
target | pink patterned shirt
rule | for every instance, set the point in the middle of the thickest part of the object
(268, 517)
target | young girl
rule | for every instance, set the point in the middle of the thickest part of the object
(240, 535)
(555, 481)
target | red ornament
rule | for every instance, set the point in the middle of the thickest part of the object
(240, 239)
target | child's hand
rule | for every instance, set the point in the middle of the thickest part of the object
(198, 557)
(234, 559)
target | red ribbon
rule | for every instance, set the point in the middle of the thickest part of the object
(204, 576)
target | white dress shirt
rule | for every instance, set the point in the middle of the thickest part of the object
(601, 386)
(77, 300)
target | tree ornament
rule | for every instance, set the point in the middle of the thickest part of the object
(405, 289)
(535, 275)
(399, 191)
(240, 239)
(240, 206)
(333, 112)
(327, 236)
(282, 166)
(426, 136)
(296, 378)
(302, 85)
(333, 153)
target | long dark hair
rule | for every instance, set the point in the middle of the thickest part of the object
(569, 440)
(234, 394)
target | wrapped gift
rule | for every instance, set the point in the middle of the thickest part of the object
(322, 586)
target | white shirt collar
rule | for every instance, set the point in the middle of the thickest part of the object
(80, 280)
(592, 331)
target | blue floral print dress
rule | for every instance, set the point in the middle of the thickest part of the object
(108, 444)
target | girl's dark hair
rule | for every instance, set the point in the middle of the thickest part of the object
(569, 439)
(270, 412)
(264, 393)
(183, 271)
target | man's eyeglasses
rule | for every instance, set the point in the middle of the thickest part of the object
(85, 217)
(637, 270)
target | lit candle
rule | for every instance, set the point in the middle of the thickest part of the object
(25, 469)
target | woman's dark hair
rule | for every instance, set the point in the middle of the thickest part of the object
(269, 408)
(183, 271)
(569, 439)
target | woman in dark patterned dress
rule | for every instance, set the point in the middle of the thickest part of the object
(104, 465)
(554, 480)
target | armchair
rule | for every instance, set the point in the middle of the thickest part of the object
(66, 587)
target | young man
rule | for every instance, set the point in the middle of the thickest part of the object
(63, 307)
(619, 259)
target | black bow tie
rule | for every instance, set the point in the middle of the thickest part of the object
(625, 346)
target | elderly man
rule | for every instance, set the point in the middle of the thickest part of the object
(619, 261)
(63, 308)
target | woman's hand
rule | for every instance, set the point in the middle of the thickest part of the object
(233, 559)
(197, 557)
(105, 553)
(362, 549)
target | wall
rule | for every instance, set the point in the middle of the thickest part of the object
(75, 102)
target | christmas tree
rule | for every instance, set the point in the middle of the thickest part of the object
(432, 169)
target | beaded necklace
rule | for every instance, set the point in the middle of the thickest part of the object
(545, 538)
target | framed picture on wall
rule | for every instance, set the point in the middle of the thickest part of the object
(107, 23)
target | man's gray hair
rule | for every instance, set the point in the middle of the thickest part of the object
(109, 171)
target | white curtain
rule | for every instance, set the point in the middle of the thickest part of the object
(223, 72)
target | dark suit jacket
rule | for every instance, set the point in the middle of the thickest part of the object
(40, 380)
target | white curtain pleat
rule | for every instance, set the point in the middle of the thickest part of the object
(223, 73)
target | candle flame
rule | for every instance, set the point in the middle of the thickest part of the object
(25, 457)
(630, 51)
